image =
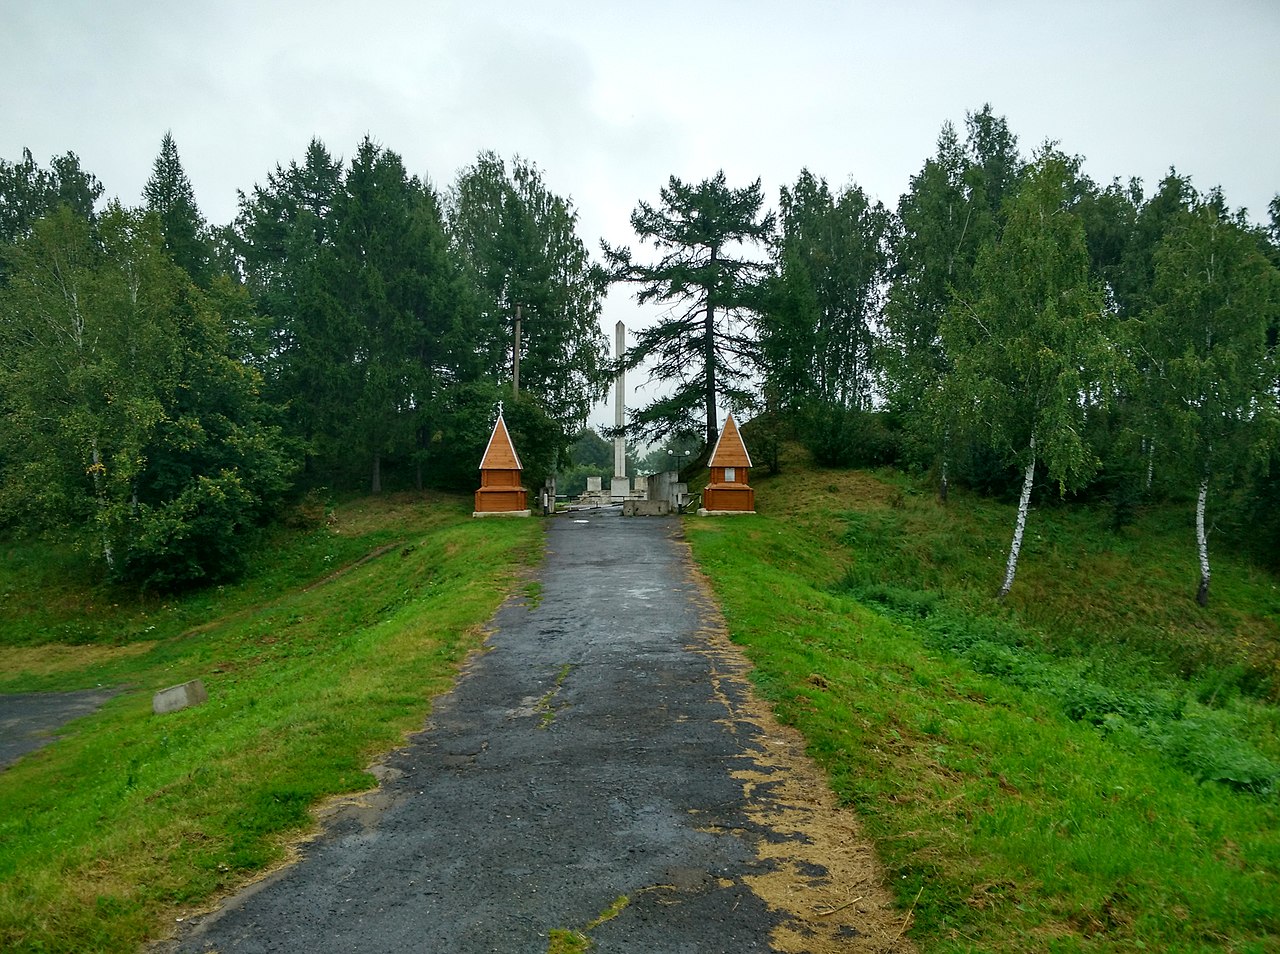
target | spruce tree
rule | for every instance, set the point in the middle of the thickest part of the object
(169, 195)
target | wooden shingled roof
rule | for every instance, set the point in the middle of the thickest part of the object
(730, 451)
(500, 454)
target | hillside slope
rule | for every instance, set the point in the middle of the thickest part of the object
(1091, 766)
(317, 662)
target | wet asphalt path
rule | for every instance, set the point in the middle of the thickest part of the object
(30, 720)
(587, 755)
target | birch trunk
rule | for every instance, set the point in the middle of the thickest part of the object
(1024, 502)
(1202, 543)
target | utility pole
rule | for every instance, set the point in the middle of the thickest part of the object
(515, 364)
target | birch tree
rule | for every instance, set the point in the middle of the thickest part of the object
(127, 425)
(831, 262)
(1215, 297)
(1028, 349)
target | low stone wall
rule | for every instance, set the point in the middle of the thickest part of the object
(646, 508)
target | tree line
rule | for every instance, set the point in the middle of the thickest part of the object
(164, 384)
(1010, 325)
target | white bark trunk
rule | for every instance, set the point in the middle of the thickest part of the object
(1151, 460)
(1202, 543)
(1024, 503)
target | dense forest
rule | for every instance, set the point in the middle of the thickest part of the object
(1012, 326)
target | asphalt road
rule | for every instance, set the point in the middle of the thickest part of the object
(588, 755)
(30, 720)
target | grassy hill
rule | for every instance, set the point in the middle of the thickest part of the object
(1090, 766)
(321, 659)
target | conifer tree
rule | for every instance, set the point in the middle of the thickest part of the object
(168, 194)
(705, 347)
(518, 245)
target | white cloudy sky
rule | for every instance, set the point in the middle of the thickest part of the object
(611, 98)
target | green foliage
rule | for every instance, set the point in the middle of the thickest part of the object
(517, 243)
(129, 426)
(1209, 389)
(1029, 351)
(1030, 357)
(369, 326)
(817, 326)
(1063, 771)
(169, 196)
(952, 211)
(29, 193)
(590, 455)
(538, 438)
(840, 436)
(702, 348)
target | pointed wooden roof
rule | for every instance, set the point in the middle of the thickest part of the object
(730, 451)
(500, 454)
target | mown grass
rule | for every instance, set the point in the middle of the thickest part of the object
(315, 664)
(1091, 766)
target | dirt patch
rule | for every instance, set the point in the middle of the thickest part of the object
(344, 570)
(825, 874)
(52, 659)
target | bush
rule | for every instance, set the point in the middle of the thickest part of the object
(844, 437)
(1203, 743)
(202, 536)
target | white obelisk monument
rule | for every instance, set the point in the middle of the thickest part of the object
(620, 487)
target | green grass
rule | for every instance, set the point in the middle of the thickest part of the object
(567, 941)
(1090, 766)
(315, 665)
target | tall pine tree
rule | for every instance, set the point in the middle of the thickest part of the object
(705, 347)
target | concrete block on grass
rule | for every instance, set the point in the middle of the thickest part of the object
(179, 697)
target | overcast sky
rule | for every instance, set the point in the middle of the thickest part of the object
(611, 98)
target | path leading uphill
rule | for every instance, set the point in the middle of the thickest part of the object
(603, 769)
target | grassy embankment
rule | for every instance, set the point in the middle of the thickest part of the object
(317, 662)
(1092, 766)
